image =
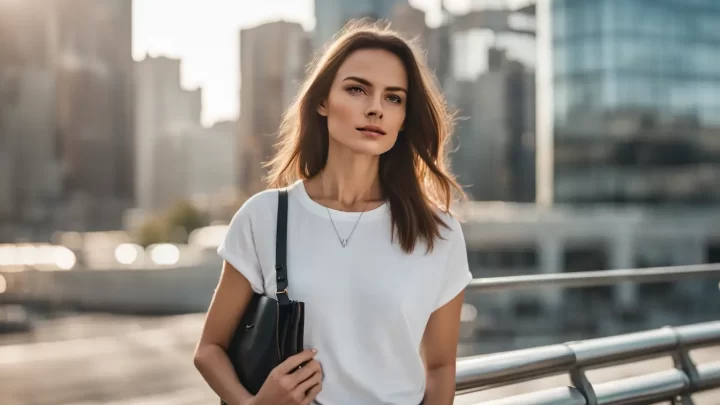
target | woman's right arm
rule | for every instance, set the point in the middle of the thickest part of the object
(228, 303)
(286, 384)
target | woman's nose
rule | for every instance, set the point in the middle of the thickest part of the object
(374, 110)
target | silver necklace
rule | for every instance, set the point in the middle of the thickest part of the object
(343, 242)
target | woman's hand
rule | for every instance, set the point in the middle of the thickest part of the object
(296, 381)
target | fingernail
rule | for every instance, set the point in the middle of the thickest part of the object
(314, 350)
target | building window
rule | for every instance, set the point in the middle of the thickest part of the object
(504, 258)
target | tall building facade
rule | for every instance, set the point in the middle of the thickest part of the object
(332, 15)
(410, 23)
(635, 93)
(490, 80)
(29, 154)
(67, 113)
(94, 69)
(193, 165)
(162, 106)
(273, 61)
(439, 54)
(629, 116)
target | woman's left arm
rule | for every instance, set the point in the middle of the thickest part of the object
(439, 351)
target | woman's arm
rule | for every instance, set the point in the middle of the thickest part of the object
(439, 351)
(231, 297)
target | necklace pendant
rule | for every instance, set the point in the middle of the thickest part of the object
(344, 242)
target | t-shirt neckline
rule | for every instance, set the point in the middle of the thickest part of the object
(319, 209)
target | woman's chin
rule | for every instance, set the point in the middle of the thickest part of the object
(370, 148)
(365, 146)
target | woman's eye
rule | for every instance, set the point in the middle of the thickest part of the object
(395, 99)
(356, 89)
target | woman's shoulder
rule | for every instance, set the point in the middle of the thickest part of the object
(260, 205)
(450, 232)
(451, 223)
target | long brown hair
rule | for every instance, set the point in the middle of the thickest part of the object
(414, 174)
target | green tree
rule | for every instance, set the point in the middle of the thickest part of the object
(183, 218)
(153, 231)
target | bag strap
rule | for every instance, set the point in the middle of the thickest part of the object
(281, 248)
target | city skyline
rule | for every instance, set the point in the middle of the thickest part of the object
(204, 35)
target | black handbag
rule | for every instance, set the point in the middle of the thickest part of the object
(270, 330)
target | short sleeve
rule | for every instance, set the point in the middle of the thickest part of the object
(456, 274)
(238, 248)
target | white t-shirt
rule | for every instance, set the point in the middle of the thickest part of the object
(367, 304)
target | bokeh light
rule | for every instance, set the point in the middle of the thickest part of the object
(127, 253)
(64, 258)
(164, 254)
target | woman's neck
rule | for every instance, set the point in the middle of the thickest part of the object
(348, 183)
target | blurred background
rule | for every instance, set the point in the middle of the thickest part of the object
(132, 130)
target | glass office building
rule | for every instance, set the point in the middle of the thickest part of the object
(635, 93)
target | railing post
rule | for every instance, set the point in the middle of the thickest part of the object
(681, 359)
(581, 382)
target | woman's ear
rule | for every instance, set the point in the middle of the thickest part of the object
(322, 108)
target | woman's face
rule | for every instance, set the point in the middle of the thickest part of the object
(365, 108)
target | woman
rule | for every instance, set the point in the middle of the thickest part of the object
(373, 250)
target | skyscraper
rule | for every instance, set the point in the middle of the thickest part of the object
(490, 79)
(30, 159)
(162, 106)
(66, 114)
(273, 59)
(634, 88)
(332, 15)
(95, 115)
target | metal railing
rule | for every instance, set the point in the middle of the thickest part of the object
(574, 358)
(596, 278)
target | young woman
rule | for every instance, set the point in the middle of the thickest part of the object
(373, 249)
